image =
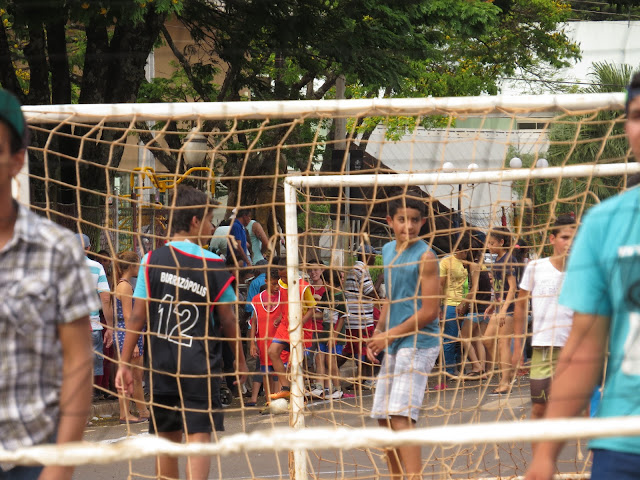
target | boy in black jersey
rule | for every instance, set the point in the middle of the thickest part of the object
(188, 294)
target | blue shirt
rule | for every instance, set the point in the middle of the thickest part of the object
(603, 278)
(402, 281)
(254, 289)
(240, 234)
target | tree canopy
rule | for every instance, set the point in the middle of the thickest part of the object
(94, 51)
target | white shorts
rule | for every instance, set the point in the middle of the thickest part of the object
(402, 382)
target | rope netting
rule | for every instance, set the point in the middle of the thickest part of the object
(317, 178)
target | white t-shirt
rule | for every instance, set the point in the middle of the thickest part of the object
(101, 285)
(551, 321)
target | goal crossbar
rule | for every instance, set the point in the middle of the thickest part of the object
(322, 108)
(447, 178)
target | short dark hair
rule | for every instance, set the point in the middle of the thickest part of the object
(633, 90)
(564, 220)
(188, 202)
(278, 261)
(243, 212)
(407, 201)
(501, 233)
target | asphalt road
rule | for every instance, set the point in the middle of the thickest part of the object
(468, 404)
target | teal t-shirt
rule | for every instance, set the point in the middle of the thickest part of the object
(402, 282)
(603, 278)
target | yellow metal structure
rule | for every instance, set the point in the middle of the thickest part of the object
(166, 181)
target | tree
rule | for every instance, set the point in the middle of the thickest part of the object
(297, 49)
(592, 138)
(85, 51)
(94, 51)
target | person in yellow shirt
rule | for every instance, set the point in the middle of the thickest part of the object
(453, 275)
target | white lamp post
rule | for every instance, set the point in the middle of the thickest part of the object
(195, 148)
(542, 163)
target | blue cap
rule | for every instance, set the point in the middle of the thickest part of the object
(83, 239)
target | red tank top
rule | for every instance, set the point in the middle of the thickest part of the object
(268, 309)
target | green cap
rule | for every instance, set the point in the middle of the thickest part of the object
(11, 113)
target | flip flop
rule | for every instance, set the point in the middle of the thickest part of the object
(250, 404)
(495, 391)
(139, 420)
(475, 374)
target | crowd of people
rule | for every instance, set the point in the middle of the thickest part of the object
(468, 310)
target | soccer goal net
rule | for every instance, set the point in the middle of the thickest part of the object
(309, 183)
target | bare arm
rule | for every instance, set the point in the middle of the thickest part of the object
(519, 321)
(511, 294)
(579, 370)
(124, 293)
(124, 378)
(258, 231)
(105, 298)
(373, 352)
(75, 393)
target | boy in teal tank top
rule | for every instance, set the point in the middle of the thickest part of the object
(408, 330)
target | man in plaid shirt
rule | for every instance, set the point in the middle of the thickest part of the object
(45, 335)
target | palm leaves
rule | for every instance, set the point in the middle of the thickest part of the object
(595, 137)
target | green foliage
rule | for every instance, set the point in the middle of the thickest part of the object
(593, 138)
(312, 215)
(178, 87)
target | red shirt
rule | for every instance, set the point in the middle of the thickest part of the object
(267, 308)
(283, 330)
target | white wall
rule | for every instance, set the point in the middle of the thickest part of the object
(427, 151)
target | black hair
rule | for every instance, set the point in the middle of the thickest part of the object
(520, 250)
(633, 90)
(501, 233)
(464, 241)
(188, 202)
(271, 272)
(408, 201)
(336, 278)
(279, 261)
(243, 212)
(562, 221)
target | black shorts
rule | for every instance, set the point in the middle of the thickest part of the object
(170, 413)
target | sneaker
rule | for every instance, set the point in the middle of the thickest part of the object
(317, 392)
(369, 384)
(440, 386)
(337, 394)
(281, 394)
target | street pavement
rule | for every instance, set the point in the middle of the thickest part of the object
(470, 402)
